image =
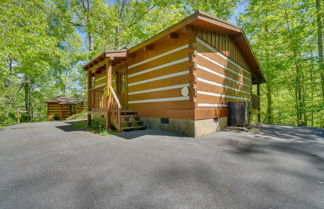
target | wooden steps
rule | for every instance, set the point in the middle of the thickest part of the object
(135, 121)
(130, 120)
(132, 128)
(127, 116)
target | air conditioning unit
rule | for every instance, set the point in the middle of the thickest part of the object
(238, 113)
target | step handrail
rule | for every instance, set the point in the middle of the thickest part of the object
(115, 96)
(114, 108)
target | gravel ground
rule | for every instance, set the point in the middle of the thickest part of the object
(54, 165)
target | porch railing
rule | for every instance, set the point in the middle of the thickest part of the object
(111, 104)
(97, 99)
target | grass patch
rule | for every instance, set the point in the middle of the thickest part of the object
(95, 128)
(81, 115)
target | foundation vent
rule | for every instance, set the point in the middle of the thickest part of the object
(165, 120)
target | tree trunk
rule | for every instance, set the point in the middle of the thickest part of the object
(269, 114)
(299, 79)
(269, 108)
(7, 81)
(120, 7)
(28, 106)
(298, 96)
(90, 41)
(9, 98)
(116, 44)
(320, 41)
(312, 97)
(87, 10)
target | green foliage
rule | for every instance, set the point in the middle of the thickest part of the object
(7, 122)
(283, 36)
(45, 43)
(39, 55)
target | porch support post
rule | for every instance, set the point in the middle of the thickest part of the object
(61, 112)
(89, 98)
(259, 109)
(109, 76)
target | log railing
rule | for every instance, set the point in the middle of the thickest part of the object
(97, 99)
(114, 109)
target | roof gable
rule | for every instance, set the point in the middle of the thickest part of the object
(65, 100)
(209, 22)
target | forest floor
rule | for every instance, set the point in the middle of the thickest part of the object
(57, 165)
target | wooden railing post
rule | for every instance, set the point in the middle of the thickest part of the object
(61, 113)
(108, 118)
(108, 76)
(118, 120)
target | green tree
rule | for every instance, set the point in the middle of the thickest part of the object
(283, 36)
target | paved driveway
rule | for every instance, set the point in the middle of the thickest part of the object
(53, 165)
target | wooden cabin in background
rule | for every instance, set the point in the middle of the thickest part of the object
(62, 107)
(179, 80)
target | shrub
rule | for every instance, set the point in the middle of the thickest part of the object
(8, 122)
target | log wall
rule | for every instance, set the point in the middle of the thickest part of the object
(156, 77)
(219, 79)
(223, 42)
(62, 111)
(100, 80)
(56, 109)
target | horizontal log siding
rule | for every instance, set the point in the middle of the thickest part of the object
(100, 79)
(228, 84)
(55, 109)
(156, 77)
(221, 60)
(223, 43)
(219, 81)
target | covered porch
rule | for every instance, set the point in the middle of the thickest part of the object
(107, 91)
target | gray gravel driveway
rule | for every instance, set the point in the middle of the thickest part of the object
(54, 165)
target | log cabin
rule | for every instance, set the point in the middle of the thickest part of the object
(62, 107)
(179, 80)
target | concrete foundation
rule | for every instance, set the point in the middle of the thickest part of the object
(193, 128)
(208, 126)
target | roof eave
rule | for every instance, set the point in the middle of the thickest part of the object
(107, 54)
(165, 32)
